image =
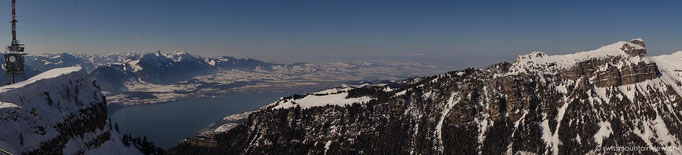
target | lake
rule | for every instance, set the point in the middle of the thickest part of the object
(165, 124)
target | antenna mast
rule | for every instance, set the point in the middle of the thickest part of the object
(14, 22)
(14, 57)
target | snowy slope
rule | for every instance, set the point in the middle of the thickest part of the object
(333, 97)
(671, 63)
(543, 63)
(58, 111)
(329, 97)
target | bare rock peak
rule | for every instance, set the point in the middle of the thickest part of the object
(636, 48)
(638, 41)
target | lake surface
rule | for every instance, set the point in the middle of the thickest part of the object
(165, 124)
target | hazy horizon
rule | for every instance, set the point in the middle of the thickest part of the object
(280, 29)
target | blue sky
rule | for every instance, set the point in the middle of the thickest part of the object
(287, 28)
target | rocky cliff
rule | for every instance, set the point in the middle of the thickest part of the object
(60, 111)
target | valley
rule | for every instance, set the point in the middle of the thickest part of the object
(341, 77)
(146, 78)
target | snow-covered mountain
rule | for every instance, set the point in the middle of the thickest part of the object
(614, 96)
(44, 62)
(131, 79)
(144, 78)
(151, 67)
(156, 68)
(60, 111)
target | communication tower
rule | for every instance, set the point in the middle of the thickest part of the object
(14, 56)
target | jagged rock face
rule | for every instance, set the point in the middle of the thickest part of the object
(625, 64)
(638, 41)
(605, 74)
(634, 51)
(60, 111)
(570, 104)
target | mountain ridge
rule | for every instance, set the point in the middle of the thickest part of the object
(156, 77)
(567, 104)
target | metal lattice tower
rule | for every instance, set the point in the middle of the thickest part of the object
(14, 56)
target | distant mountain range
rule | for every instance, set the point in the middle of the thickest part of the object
(138, 78)
(582, 103)
(159, 68)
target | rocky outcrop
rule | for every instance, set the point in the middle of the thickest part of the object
(635, 50)
(60, 111)
(639, 73)
(626, 64)
(605, 74)
(638, 41)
